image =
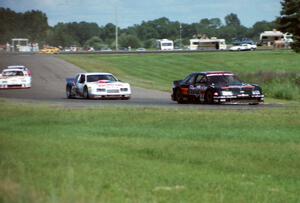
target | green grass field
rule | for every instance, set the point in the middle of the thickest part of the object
(52, 154)
(276, 71)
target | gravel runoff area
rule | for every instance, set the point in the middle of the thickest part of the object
(48, 86)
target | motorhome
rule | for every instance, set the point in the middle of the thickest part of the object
(165, 44)
(270, 37)
(208, 44)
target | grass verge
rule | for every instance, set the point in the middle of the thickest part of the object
(50, 154)
(276, 71)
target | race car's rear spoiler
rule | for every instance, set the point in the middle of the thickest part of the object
(70, 80)
(176, 82)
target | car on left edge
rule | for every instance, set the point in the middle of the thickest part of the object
(15, 77)
(97, 85)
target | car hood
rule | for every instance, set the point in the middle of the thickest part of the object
(237, 88)
(108, 84)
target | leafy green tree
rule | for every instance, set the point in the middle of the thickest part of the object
(108, 33)
(95, 42)
(188, 30)
(83, 31)
(215, 23)
(290, 20)
(260, 27)
(31, 24)
(233, 28)
(209, 27)
(150, 44)
(35, 25)
(61, 36)
(129, 41)
(9, 24)
(68, 34)
(232, 20)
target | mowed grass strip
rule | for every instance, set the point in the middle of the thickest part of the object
(51, 154)
(158, 71)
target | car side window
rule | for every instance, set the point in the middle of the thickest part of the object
(203, 80)
(76, 78)
(82, 79)
(191, 80)
(198, 79)
(185, 80)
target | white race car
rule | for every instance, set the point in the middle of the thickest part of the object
(15, 77)
(243, 47)
(97, 85)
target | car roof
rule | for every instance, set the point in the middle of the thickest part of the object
(12, 69)
(96, 73)
(213, 72)
(16, 67)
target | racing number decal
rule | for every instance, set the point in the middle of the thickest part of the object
(194, 90)
(202, 92)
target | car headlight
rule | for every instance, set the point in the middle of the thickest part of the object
(227, 93)
(255, 92)
(91, 89)
(124, 89)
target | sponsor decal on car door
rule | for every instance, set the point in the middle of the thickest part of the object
(202, 89)
(194, 90)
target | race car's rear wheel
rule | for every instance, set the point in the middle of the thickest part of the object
(69, 92)
(86, 93)
(209, 99)
(179, 97)
(125, 98)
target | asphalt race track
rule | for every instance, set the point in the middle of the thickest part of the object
(48, 86)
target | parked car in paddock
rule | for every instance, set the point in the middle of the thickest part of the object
(141, 49)
(215, 87)
(50, 50)
(97, 85)
(243, 47)
(15, 77)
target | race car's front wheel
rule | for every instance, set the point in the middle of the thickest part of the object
(209, 99)
(86, 93)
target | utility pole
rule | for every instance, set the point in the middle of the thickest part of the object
(117, 33)
(180, 39)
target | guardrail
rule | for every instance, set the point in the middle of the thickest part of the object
(158, 51)
(137, 52)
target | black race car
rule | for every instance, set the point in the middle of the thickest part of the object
(215, 87)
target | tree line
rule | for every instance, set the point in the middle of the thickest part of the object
(31, 24)
(34, 26)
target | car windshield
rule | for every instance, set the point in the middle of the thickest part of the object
(95, 78)
(224, 80)
(12, 73)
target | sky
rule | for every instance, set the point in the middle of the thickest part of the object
(129, 12)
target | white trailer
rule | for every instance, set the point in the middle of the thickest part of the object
(270, 37)
(208, 44)
(165, 44)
